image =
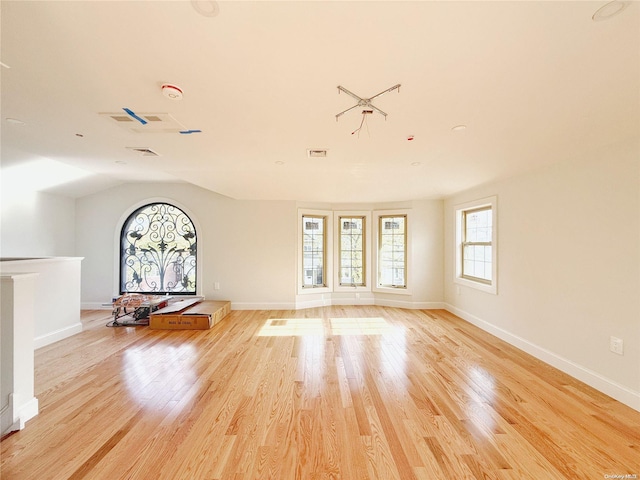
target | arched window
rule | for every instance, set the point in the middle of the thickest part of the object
(158, 251)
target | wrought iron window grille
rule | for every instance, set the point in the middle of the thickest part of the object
(158, 251)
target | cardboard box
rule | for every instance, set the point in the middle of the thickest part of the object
(189, 315)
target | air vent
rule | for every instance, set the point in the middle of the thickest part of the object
(316, 153)
(143, 151)
(122, 118)
(153, 122)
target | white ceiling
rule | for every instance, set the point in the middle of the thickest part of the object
(534, 82)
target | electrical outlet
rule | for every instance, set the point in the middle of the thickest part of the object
(216, 286)
(616, 345)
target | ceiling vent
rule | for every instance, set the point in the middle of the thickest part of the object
(143, 151)
(153, 122)
(316, 153)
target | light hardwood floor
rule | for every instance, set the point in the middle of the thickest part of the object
(331, 393)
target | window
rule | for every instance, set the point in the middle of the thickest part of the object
(352, 251)
(476, 244)
(392, 251)
(314, 251)
(158, 251)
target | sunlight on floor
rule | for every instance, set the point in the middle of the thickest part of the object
(360, 326)
(147, 379)
(291, 327)
(282, 327)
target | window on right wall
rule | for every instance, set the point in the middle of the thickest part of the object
(476, 244)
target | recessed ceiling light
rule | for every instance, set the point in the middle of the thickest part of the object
(459, 128)
(279, 162)
(120, 162)
(609, 10)
(415, 164)
(206, 8)
(4, 65)
(15, 121)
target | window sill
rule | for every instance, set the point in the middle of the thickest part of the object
(312, 290)
(352, 288)
(492, 289)
(393, 290)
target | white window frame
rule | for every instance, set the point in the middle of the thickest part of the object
(328, 254)
(367, 251)
(376, 287)
(488, 202)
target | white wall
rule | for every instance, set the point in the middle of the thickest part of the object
(36, 224)
(568, 267)
(17, 314)
(246, 246)
(57, 295)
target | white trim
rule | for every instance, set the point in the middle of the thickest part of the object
(35, 260)
(605, 385)
(368, 247)
(406, 290)
(56, 335)
(328, 254)
(355, 302)
(385, 302)
(457, 260)
(312, 303)
(262, 306)
(96, 306)
(15, 416)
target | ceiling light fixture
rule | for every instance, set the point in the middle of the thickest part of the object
(364, 119)
(365, 102)
(609, 10)
(459, 128)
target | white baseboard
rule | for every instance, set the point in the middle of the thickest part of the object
(605, 385)
(352, 301)
(96, 306)
(15, 416)
(383, 302)
(262, 306)
(60, 334)
(307, 304)
(301, 305)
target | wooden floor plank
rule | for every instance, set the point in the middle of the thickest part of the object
(351, 393)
